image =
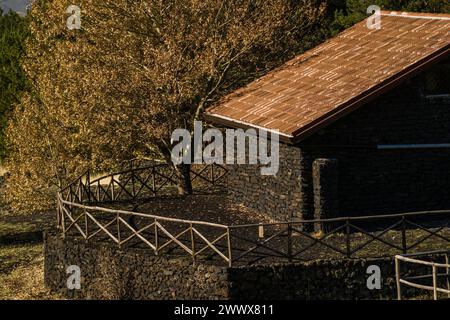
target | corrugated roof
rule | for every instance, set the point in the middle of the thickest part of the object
(337, 76)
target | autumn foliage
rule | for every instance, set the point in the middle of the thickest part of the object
(116, 89)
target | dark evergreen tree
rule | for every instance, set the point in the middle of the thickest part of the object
(348, 12)
(13, 32)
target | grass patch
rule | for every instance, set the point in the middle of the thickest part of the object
(15, 256)
(26, 283)
(22, 273)
(7, 228)
(21, 257)
(12, 224)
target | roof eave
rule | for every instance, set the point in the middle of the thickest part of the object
(236, 124)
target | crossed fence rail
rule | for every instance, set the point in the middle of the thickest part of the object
(136, 183)
(81, 209)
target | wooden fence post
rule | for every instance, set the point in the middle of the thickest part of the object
(86, 226)
(447, 272)
(133, 190)
(58, 212)
(404, 243)
(63, 223)
(397, 278)
(435, 295)
(70, 194)
(192, 242)
(118, 230)
(347, 238)
(88, 184)
(289, 241)
(112, 188)
(154, 180)
(230, 253)
(80, 190)
(156, 238)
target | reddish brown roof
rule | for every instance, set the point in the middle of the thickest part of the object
(337, 76)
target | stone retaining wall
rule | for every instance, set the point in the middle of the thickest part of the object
(109, 273)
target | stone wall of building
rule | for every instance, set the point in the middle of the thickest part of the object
(109, 273)
(325, 182)
(277, 196)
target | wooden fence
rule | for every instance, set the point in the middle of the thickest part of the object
(137, 183)
(81, 210)
(75, 212)
(434, 276)
(154, 232)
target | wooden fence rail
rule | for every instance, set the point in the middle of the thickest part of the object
(81, 210)
(349, 237)
(434, 275)
(154, 232)
(137, 183)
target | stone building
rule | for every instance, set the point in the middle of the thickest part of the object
(364, 120)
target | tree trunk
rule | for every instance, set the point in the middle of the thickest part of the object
(184, 179)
